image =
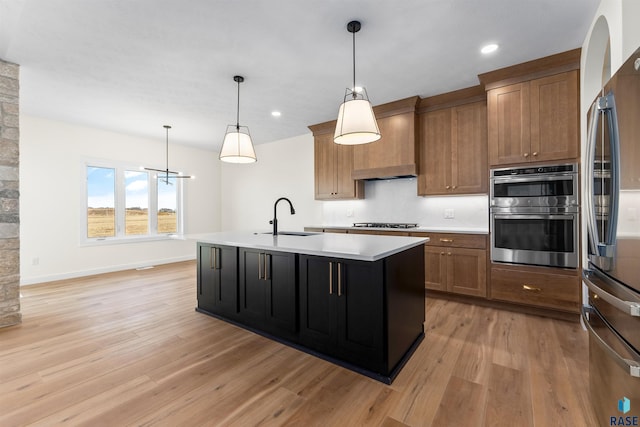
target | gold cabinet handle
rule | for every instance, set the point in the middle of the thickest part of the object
(535, 153)
(448, 187)
(531, 288)
(446, 240)
(449, 253)
(211, 264)
(441, 253)
(330, 277)
(265, 265)
(454, 187)
(259, 266)
(339, 279)
(526, 154)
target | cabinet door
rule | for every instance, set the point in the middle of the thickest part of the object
(207, 278)
(435, 275)
(469, 172)
(554, 117)
(281, 290)
(318, 317)
(346, 187)
(253, 289)
(325, 166)
(218, 279)
(435, 152)
(467, 271)
(360, 311)
(226, 263)
(509, 124)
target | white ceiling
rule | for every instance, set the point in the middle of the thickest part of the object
(131, 66)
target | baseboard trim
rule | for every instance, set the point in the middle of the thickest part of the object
(108, 269)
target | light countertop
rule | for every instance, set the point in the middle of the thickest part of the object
(348, 246)
(407, 230)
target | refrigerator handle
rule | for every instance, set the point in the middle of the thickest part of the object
(631, 366)
(615, 171)
(628, 307)
(592, 228)
(603, 250)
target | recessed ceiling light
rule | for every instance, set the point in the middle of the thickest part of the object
(276, 113)
(489, 48)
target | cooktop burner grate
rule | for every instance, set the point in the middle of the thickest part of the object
(385, 225)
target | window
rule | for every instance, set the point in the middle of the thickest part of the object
(101, 202)
(167, 202)
(136, 199)
(123, 202)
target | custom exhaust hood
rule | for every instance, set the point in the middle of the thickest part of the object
(395, 154)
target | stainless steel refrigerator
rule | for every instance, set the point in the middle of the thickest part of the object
(612, 202)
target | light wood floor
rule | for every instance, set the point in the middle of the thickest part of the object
(129, 349)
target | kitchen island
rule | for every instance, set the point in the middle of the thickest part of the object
(355, 300)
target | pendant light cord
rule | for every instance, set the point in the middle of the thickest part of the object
(354, 66)
(238, 110)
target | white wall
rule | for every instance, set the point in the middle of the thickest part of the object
(284, 169)
(52, 156)
(396, 200)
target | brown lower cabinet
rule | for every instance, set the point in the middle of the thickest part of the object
(456, 263)
(457, 266)
(546, 288)
(457, 270)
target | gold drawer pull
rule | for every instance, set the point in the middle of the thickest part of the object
(446, 240)
(531, 288)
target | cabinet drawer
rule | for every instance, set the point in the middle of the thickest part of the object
(537, 289)
(457, 240)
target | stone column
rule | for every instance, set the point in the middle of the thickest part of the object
(9, 194)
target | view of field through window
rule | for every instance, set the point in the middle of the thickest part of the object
(101, 210)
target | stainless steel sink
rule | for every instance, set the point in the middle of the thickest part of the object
(292, 233)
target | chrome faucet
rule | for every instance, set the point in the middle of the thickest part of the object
(274, 221)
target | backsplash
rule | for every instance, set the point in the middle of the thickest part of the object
(396, 200)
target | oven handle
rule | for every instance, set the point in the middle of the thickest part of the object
(533, 178)
(628, 307)
(631, 366)
(541, 216)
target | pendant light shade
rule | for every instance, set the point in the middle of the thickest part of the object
(356, 122)
(237, 146)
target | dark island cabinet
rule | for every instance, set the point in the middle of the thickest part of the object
(365, 313)
(268, 291)
(341, 307)
(218, 279)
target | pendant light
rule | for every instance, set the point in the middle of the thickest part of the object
(356, 122)
(167, 171)
(237, 146)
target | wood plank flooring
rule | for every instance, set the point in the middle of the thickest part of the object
(128, 349)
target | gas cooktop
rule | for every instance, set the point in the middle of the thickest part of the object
(385, 225)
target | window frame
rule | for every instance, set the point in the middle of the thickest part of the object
(120, 169)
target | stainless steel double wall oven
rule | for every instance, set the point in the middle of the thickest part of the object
(535, 215)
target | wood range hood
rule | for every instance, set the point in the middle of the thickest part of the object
(395, 154)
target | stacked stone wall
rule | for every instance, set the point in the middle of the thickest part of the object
(9, 195)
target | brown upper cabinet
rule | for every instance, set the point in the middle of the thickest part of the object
(533, 110)
(333, 165)
(396, 152)
(453, 143)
